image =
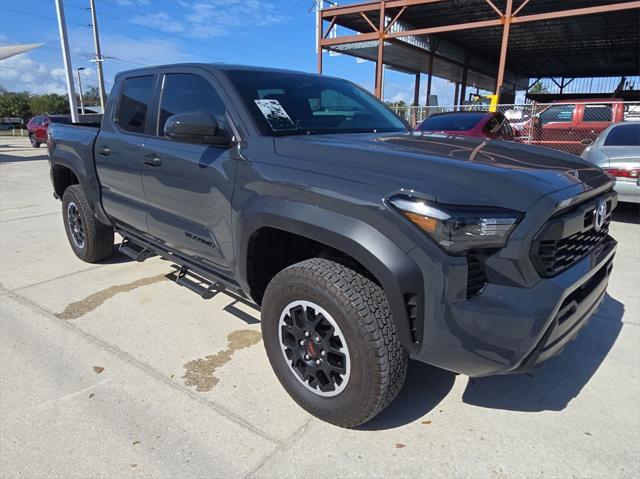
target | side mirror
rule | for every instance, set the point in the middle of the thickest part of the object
(587, 142)
(195, 127)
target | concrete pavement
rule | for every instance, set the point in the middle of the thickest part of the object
(113, 370)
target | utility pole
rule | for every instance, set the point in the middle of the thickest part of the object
(99, 59)
(80, 89)
(66, 58)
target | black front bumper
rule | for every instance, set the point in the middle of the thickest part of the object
(573, 315)
(514, 329)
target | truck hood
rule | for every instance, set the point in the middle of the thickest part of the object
(450, 169)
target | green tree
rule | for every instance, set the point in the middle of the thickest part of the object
(15, 104)
(51, 103)
(539, 87)
(91, 97)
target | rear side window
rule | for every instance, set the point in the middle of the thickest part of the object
(186, 92)
(452, 121)
(593, 113)
(624, 135)
(134, 103)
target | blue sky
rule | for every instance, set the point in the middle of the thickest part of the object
(277, 33)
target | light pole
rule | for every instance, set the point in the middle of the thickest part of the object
(66, 59)
(80, 88)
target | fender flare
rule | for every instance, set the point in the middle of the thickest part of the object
(397, 273)
(87, 180)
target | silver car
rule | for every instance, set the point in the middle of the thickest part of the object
(617, 150)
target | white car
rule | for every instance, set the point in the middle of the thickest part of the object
(617, 150)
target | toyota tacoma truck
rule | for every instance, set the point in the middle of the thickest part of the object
(364, 243)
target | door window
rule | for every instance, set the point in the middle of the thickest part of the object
(594, 113)
(187, 92)
(557, 113)
(134, 103)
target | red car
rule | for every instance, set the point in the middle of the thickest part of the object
(570, 125)
(481, 124)
(39, 125)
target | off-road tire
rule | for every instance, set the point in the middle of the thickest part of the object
(98, 237)
(359, 307)
(34, 143)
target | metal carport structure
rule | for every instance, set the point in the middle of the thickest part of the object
(497, 45)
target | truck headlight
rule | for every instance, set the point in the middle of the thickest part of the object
(458, 229)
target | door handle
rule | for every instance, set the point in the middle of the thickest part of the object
(104, 151)
(152, 160)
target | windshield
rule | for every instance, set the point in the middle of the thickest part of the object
(290, 103)
(624, 135)
(452, 121)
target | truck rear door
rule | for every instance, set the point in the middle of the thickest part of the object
(188, 186)
(120, 151)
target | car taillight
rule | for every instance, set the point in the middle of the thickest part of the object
(623, 172)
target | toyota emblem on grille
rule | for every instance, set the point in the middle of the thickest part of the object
(599, 215)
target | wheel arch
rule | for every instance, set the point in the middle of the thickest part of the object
(396, 272)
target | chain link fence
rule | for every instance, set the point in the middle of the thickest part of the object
(566, 126)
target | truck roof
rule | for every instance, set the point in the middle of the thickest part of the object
(590, 100)
(212, 66)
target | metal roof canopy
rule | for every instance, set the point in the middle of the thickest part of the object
(490, 42)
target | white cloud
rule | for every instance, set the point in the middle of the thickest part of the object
(161, 21)
(213, 18)
(21, 73)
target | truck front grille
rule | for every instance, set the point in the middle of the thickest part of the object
(569, 237)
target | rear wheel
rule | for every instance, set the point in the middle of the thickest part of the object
(32, 139)
(332, 342)
(90, 240)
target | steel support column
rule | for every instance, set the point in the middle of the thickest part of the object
(416, 90)
(463, 86)
(505, 44)
(455, 93)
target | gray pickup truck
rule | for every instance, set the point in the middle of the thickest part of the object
(364, 243)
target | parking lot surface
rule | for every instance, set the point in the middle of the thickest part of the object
(114, 370)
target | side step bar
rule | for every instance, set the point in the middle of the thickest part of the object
(202, 287)
(135, 251)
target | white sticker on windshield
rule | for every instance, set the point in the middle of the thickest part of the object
(275, 114)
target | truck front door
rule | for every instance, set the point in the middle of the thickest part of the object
(188, 186)
(555, 128)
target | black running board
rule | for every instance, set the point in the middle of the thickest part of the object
(198, 278)
(135, 251)
(201, 286)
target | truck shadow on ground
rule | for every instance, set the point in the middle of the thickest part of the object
(550, 388)
(9, 156)
(423, 390)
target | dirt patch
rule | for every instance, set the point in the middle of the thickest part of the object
(200, 372)
(91, 302)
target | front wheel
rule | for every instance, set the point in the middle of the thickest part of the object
(90, 240)
(332, 342)
(34, 143)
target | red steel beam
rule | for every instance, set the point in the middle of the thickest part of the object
(371, 6)
(574, 12)
(365, 37)
(503, 47)
(446, 28)
(487, 23)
